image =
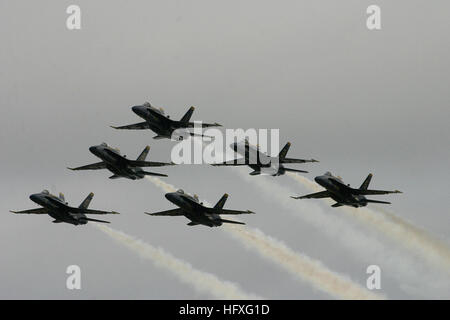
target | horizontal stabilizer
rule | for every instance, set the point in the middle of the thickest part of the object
(154, 174)
(337, 205)
(295, 170)
(192, 224)
(230, 221)
(376, 201)
(255, 173)
(94, 220)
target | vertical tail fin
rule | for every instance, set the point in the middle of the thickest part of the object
(284, 151)
(143, 154)
(221, 202)
(61, 197)
(187, 116)
(366, 182)
(87, 201)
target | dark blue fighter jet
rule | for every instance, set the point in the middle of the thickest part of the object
(162, 125)
(343, 194)
(58, 209)
(120, 165)
(191, 208)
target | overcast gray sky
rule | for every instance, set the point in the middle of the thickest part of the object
(360, 101)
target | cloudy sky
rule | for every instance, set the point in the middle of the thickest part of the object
(360, 101)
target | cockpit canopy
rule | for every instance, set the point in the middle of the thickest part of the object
(45, 191)
(328, 173)
(180, 191)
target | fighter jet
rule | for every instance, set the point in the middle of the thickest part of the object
(343, 194)
(58, 209)
(191, 208)
(120, 165)
(161, 124)
(261, 162)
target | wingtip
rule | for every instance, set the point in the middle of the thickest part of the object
(12, 211)
(294, 197)
(398, 191)
(115, 212)
(250, 212)
(70, 168)
(114, 127)
(150, 214)
(314, 160)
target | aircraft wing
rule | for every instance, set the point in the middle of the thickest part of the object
(91, 211)
(204, 125)
(227, 211)
(317, 195)
(134, 126)
(292, 160)
(372, 192)
(32, 211)
(230, 221)
(94, 220)
(137, 163)
(93, 166)
(233, 162)
(172, 212)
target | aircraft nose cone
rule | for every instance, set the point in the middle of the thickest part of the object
(169, 196)
(139, 110)
(318, 179)
(34, 197)
(94, 149)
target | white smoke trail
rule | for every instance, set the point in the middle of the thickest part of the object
(410, 236)
(202, 282)
(303, 267)
(371, 249)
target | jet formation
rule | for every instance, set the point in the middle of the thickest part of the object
(59, 209)
(187, 205)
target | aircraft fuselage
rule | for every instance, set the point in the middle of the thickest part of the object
(57, 209)
(193, 210)
(116, 163)
(340, 195)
